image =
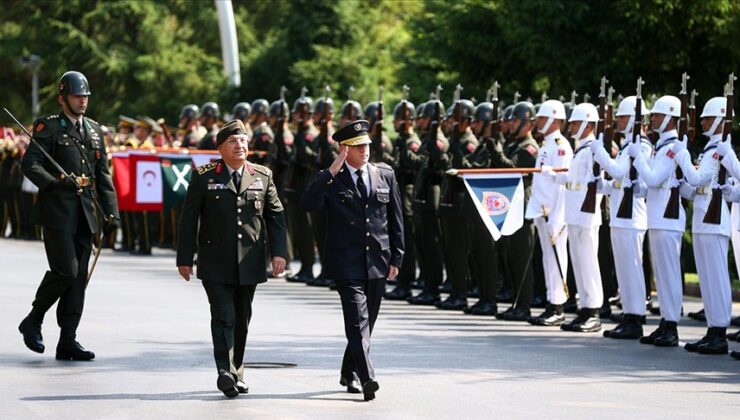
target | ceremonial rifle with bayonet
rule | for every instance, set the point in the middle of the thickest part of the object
(714, 211)
(674, 199)
(589, 202)
(625, 207)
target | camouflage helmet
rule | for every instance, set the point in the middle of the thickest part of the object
(275, 108)
(242, 111)
(189, 111)
(210, 110)
(74, 83)
(303, 101)
(483, 112)
(351, 110)
(320, 105)
(399, 109)
(260, 107)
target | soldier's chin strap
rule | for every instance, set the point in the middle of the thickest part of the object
(519, 129)
(664, 124)
(713, 128)
(70, 109)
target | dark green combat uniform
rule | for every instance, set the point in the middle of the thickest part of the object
(236, 227)
(263, 145)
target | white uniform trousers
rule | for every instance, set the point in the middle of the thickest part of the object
(735, 218)
(665, 249)
(710, 252)
(554, 278)
(584, 249)
(627, 250)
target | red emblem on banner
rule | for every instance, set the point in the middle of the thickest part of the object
(496, 203)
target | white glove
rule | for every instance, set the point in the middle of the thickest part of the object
(547, 171)
(640, 189)
(724, 147)
(634, 150)
(451, 172)
(680, 145)
(687, 191)
(597, 144)
(726, 190)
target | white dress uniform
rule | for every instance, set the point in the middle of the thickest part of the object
(730, 162)
(627, 235)
(710, 241)
(548, 202)
(659, 174)
(583, 228)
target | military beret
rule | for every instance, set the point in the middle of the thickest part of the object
(233, 127)
(353, 134)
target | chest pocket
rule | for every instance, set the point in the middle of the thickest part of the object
(383, 197)
(255, 201)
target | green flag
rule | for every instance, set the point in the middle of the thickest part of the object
(176, 173)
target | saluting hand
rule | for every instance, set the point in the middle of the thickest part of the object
(338, 161)
(185, 271)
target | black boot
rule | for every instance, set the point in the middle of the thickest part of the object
(629, 329)
(424, 298)
(399, 293)
(694, 347)
(453, 303)
(514, 313)
(591, 323)
(650, 339)
(31, 330)
(551, 317)
(669, 336)
(717, 342)
(484, 308)
(570, 306)
(698, 316)
(72, 350)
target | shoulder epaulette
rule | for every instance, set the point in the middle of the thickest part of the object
(205, 168)
(262, 169)
(382, 165)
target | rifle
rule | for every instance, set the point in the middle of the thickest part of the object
(589, 202)
(405, 110)
(714, 211)
(586, 98)
(517, 95)
(325, 113)
(609, 123)
(351, 113)
(447, 189)
(377, 141)
(303, 109)
(692, 116)
(674, 200)
(421, 189)
(625, 207)
(280, 120)
(495, 114)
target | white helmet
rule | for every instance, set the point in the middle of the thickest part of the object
(668, 106)
(627, 107)
(552, 110)
(715, 107)
(584, 112)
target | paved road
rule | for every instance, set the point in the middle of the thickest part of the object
(150, 331)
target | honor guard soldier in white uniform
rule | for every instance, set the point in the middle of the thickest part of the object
(710, 240)
(547, 205)
(627, 234)
(583, 227)
(659, 174)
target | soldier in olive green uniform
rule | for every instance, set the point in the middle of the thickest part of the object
(516, 250)
(282, 163)
(456, 208)
(426, 201)
(304, 168)
(231, 214)
(209, 115)
(65, 209)
(408, 150)
(263, 139)
(381, 150)
(243, 112)
(189, 123)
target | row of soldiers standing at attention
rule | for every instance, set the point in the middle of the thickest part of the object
(611, 257)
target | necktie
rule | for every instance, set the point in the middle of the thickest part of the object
(361, 185)
(79, 129)
(235, 177)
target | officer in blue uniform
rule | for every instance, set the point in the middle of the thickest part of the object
(364, 245)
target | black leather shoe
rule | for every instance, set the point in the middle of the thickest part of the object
(516, 314)
(32, 335)
(301, 277)
(590, 324)
(669, 335)
(538, 302)
(72, 350)
(470, 309)
(694, 347)
(650, 339)
(399, 293)
(505, 296)
(227, 384)
(630, 329)
(484, 308)
(716, 342)
(570, 306)
(353, 385)
(453, 303)
(424, 298)
(320, 282)
(369, 389)
(551, 317)
(698, 316)
(735, 355)
(445, 287)
(734, 336)
(242, 387)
